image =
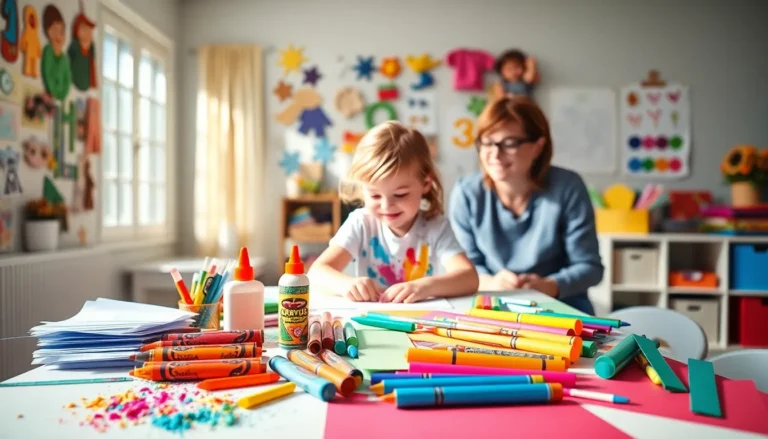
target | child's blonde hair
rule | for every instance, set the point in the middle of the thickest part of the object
(382, 152)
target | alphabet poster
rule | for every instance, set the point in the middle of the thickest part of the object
(655, 135)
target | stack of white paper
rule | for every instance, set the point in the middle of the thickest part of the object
(105, 333)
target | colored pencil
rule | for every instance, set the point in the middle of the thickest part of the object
(595, 396)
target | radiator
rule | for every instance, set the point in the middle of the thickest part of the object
(55, 289)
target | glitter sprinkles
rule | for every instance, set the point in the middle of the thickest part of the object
(172, 408)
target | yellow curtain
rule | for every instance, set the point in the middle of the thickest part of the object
(230, 150)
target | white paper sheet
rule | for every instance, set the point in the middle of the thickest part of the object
(318, 301)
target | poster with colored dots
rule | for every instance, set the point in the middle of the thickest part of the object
(655, 134)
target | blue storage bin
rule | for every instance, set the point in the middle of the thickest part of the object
(749, 267)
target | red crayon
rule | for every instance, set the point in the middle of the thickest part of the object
(327, 331)
(208, 337)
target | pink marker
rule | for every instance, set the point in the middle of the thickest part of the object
(568, 379)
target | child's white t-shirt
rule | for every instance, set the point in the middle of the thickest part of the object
(381, 255)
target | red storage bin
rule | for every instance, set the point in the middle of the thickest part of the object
(753, 321)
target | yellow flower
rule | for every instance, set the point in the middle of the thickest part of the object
(762, 159)
(739, 160)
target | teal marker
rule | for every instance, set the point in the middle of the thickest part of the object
(350, 337)
(314, 385)
(389, 385)
(610, 363)
(386, 324)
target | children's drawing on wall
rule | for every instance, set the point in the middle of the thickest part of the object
(57, 75)
(30, 42)
(9, 121)
(324, 151)
(9, 38)
(462, 126)
(82, 197)
(306, 108)
(9, 164)
(282, 90)
(422, 65)
(476, 105)
(517, 72)
(371, 111)
(291, 59)
(364, 68)
(37, 153)
(6, 225)
(349, 102)
(289, 162)
(37, 107)
(350, 139)
(420, 112)
(82, 52)
(9, 86)
(312, 76)
(469, 67)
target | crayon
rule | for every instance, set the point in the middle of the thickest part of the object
(350, 338)
(267, 395)
(211, 337)
(377, 377)
(181, 287)
(614, 323)
(495, 303)
(486, 302)
(332, 359)
(518, 332)
(202, 352)
(477, 302)
(508, 353)
(649, 370)
(386, 324)
(512, 394)
(388, 386)
(315, 344)
(596, 396)
(198, 370)
(416, 355)
(237, 382)
(314, 385)
(566, 378)
(327, 331)
(437, 323)
(589, 349)
(511, 325)
(611, 362)
(339, 346)
(344, 383)
(572, 352)
(534, 319)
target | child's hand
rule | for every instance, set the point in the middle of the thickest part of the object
(406, 292)
(506, 280)
(363, 289)
(543, 284)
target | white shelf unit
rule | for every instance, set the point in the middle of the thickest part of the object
(673, 252)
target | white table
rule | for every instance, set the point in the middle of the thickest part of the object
(42, 408)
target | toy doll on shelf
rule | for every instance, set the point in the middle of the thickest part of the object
(518, 74)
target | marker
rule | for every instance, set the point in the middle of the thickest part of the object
(508, 353)
(237, 382)
(202, 352)
(649, 370)
(197, 370)
(390, 385)
(339, 346)
(251, 401)
(533, 319)
(66, 382)
(327, 331)
(615, 323)
(596, 396)
(611, 362)
(207, 338)
(315, 344)
(344, 383)
(571, 352)
(377, 377)
(568, 379)
(499, 395)
(203, 274)
(180, 286)
(341, 364)
(386, 324)
(314, 385)
(521, 302)
(270, 307)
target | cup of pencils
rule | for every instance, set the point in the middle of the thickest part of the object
(207, 314)
(204, 297)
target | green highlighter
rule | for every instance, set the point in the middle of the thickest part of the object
(386, 324)
(270, 307)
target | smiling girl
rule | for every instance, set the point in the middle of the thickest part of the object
(400, 238)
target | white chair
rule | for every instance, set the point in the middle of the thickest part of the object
(749, 364)
(680, 337)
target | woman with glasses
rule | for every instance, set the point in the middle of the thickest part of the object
(522, 222)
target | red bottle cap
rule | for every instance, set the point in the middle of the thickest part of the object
(294, 264)
(243, 271)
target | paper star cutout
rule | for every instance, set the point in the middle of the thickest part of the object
(364, 67)
(311, 76)
(476, 105)
(283, 91)
(291, 59)
(390, 67)
(289, 162)
(324, 151)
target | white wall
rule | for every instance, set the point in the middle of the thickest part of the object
(716, 48)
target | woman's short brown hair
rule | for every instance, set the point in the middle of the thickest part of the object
(524, 111)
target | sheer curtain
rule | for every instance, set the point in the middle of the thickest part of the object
(230, 150)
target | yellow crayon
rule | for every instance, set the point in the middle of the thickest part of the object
(266, 395)
(649, 370)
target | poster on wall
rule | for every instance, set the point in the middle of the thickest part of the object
(583, 123)
(655, 136)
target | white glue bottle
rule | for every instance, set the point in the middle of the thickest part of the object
(243, 297)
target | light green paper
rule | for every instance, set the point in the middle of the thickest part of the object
(381, 350)
(558, 307)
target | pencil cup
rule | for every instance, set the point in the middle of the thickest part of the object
(207, 315)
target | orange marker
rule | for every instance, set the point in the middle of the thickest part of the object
(570, 351)
(237, 382)
(315, 335)
(202, 352)
(207, 338)
(334, 360)
(344, 383)
(180, 286)
(486, 360)
(198, 370)
(327, 330)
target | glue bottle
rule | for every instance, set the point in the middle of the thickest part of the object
(293, 304)
(243, 297)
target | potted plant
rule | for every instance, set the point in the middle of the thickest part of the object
(42, 224)
(746, 170)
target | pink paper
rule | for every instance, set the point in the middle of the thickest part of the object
(386, 421)
(503, 324)
(741, 403)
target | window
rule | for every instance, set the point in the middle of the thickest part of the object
(136, 193)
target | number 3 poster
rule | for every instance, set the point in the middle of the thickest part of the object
(655, 131)
(458, 155)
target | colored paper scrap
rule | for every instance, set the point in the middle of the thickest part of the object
(381, 349)
(669, 380)
(704, 396)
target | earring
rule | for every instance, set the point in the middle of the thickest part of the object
(425, 204)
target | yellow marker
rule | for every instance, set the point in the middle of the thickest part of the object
(251, 401)
(649, 370)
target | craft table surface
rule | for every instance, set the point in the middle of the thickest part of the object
(301, 416)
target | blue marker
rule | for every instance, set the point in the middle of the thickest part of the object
(498, 395)
(390, 385)
(314, 385)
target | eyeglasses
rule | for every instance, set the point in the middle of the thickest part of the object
(506, 144)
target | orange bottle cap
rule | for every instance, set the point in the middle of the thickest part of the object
(294, 264)
(243, 271)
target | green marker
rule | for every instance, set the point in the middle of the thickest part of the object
(350, 336)
(588, 349)
(610, 363)
(270, 307)
(386, 324)
(597, 200)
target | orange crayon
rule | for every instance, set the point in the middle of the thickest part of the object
(237, 382)
(327, 331)
(416, 355)
(202, 352)
(334, 360)
(572, 351)
(315, 344)
(345, 384)
(208, 337)
(198, 370)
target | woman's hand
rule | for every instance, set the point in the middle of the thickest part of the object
(406, 292)
(362, 289)
(535, 282)
(505, 280)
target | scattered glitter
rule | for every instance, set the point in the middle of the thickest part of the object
(71, 405)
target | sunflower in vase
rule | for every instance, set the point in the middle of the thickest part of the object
(745, 168)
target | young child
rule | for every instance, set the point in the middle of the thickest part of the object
(518, 74)
(400, 237)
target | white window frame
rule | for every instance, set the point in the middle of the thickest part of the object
(125, 22)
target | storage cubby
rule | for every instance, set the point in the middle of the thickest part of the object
(626, 299)
(704, 310)
(697, 267)
(636, 266)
